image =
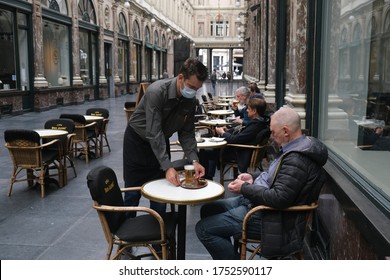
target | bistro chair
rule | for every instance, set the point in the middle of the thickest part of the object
(27, 153)
(84, 135)
(146, 230)
(262, 245)
(129, 109)
(66, 141)
(102, 126)
(250, 156)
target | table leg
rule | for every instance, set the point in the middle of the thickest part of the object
(181, 232)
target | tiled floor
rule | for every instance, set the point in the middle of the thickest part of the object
(63, 225)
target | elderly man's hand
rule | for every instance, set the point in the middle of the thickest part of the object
(235, 186)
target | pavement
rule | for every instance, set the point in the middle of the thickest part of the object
(63, 225)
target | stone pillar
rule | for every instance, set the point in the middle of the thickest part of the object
(102, 74)
(271, 59)
(263, 46)
(143, 49)
(131, 58)
(115, 43)
(77, 81)
(39, 79)
(297, 53)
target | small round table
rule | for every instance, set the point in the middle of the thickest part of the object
(163, 191)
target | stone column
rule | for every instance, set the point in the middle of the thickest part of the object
(102, 74)
(271, 59)
(115, 43)
(77, 81)
(39, 79)
(297, 53)
(263, 46)
(130, 26)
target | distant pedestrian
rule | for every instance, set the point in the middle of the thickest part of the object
(213, 79)
(165, 74)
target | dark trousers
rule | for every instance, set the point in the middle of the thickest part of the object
(140, 165)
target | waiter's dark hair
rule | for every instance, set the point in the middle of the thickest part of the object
(192, 66)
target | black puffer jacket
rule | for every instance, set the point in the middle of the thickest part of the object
(296, 183)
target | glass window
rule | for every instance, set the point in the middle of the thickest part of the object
(122, 60)
(88, 47)
(355, 91)
(122, 26)
(87, 11)
(135, 65)
(7, 51)
(56, 54)
(136, 31)
(56, 5)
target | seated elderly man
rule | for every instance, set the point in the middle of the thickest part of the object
(290, 180)
(209, 158)
(242, 96)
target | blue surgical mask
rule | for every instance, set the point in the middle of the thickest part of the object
(188, 92)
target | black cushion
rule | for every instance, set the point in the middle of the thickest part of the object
(104, 189)
(146, 227)
(77, 118)
(17, 134)
(101, 112)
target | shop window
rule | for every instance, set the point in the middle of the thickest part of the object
(56, 61)
(88, 57)
(355, 93)
(56, 5)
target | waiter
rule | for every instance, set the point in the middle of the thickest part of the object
(168, 106)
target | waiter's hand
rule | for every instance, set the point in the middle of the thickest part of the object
(172, 176)
(199, 170)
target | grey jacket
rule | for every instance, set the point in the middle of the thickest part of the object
(297, 181)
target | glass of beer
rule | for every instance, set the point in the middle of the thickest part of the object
(235, 103)
(189, 175)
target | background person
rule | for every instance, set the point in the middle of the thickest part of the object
(290, 180)
(209, 158)
(168, 106)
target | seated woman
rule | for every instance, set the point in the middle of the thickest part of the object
(209, 158)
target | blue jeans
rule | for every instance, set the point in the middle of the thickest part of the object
(220, 220)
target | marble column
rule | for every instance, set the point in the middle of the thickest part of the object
(39, 79)
(271, 59)
(115, 43)
(102, 74)
(297, 53)
(77, 81)
(131, 19)
(263, 46)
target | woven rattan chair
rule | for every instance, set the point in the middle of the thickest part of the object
(27, 153)
(253, 155)
(246, 238)
(67, 143)
(146, 230)
(102, 126)
(302, 215)
(85, 135)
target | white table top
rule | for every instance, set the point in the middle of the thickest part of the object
(214, 122)
(163, 191)
(92, 118)
(47, 133)
(213, 142)
(221, 112)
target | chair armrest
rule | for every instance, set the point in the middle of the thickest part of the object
(246, 146)
(108, 208)
(131, 189)
(296, 208)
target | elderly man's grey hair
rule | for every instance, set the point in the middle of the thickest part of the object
(243, 90)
